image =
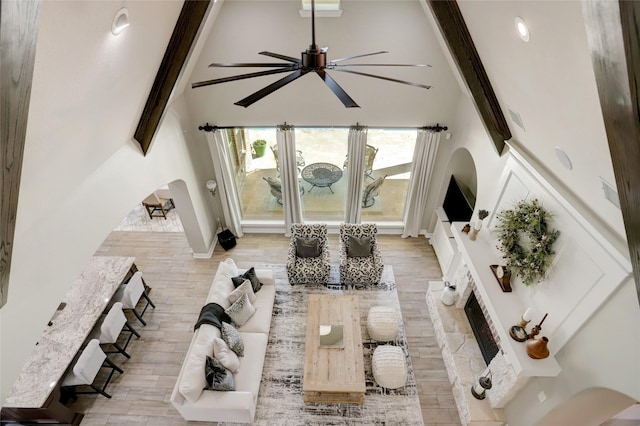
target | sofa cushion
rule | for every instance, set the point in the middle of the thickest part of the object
(222, 284)
(232, 337)
(218, 377)
(225, 355)
(260, 322)
(227, 268)
(241, 310)
(250, 275)
(250, 373)
(244, 288)
(193, 380)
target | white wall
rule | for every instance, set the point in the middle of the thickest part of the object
(244, 28)
(81, 173)
(604, 353)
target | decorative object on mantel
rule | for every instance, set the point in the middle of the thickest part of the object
(519, 332)
(449, 294)
(537, 348)
(477, 225)
(536, 328)
(503, 276)
(479, 389)
(529, 220)
(466, 228)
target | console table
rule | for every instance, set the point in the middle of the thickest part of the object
(35, 396)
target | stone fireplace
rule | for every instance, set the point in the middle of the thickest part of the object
(481, 328)
(464, 360)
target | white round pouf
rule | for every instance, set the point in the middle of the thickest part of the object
(382, 323)
(389, 366)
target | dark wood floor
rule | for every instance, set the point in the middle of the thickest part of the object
(179, 286)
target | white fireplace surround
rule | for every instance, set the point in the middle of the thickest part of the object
(585, 270)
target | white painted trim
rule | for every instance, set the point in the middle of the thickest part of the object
(611, 242)
(208, 254)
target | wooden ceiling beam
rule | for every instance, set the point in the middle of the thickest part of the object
(18, 37)
(456, 34)
(184, 34)
(613, 32)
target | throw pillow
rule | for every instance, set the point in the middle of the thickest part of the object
(232, 337)
(227, 268)
(218, 377)
(249, 275)
(359, 247)
(245, 288)
(225, 355)
(241, 311)
(307, 247)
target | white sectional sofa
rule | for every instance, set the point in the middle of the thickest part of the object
(189, 396)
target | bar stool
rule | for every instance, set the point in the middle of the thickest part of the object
(86, 369)
(130, 294)
(109, 329)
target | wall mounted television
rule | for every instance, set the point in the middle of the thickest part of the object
(458, 202)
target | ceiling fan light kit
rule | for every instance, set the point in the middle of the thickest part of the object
(313, 59)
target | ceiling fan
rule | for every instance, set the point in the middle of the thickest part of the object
(313, 59)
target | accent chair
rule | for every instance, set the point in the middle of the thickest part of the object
(360, 258)
(308, 257)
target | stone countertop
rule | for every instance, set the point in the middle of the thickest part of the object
(60, 342)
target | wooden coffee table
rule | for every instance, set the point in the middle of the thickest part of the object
(333, 374)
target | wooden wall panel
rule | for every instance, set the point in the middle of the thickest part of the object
(18, 36)
(184, 34)
(454, 30)
(613, 31)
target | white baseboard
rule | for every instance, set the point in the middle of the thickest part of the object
(208, 254)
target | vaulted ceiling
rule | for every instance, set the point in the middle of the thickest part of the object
(548, 84)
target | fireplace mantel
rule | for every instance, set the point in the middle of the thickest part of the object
(505, 309)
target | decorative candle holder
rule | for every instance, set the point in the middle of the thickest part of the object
(536, 328)
(479, 389)
(519, 332)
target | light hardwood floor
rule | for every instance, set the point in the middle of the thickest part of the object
(180, 284)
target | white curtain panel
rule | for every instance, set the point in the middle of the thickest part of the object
(221, 157)
(286, 138)
(424, 157)
(357, 144)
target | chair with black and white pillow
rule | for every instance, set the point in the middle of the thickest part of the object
(360, 258)
(308, 257)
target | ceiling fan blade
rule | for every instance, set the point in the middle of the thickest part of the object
(279, 56)
(239, 77)
(251, 64)
(357, 56)
(395, 80)
(270, 88)
(378, 65)
(337, 90)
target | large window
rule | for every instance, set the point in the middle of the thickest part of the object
(326, 149)
(393, 160)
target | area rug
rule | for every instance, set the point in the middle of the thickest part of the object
(280, 400)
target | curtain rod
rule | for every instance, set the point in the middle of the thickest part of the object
(437, 128)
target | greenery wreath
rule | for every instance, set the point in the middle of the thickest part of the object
(529, 220)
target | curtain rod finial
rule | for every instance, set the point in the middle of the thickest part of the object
(207, 128)
(437, 128)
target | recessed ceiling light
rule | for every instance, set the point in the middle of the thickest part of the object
(120, 21)
(522, 28)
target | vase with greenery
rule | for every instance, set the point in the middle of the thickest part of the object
(477, 226)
